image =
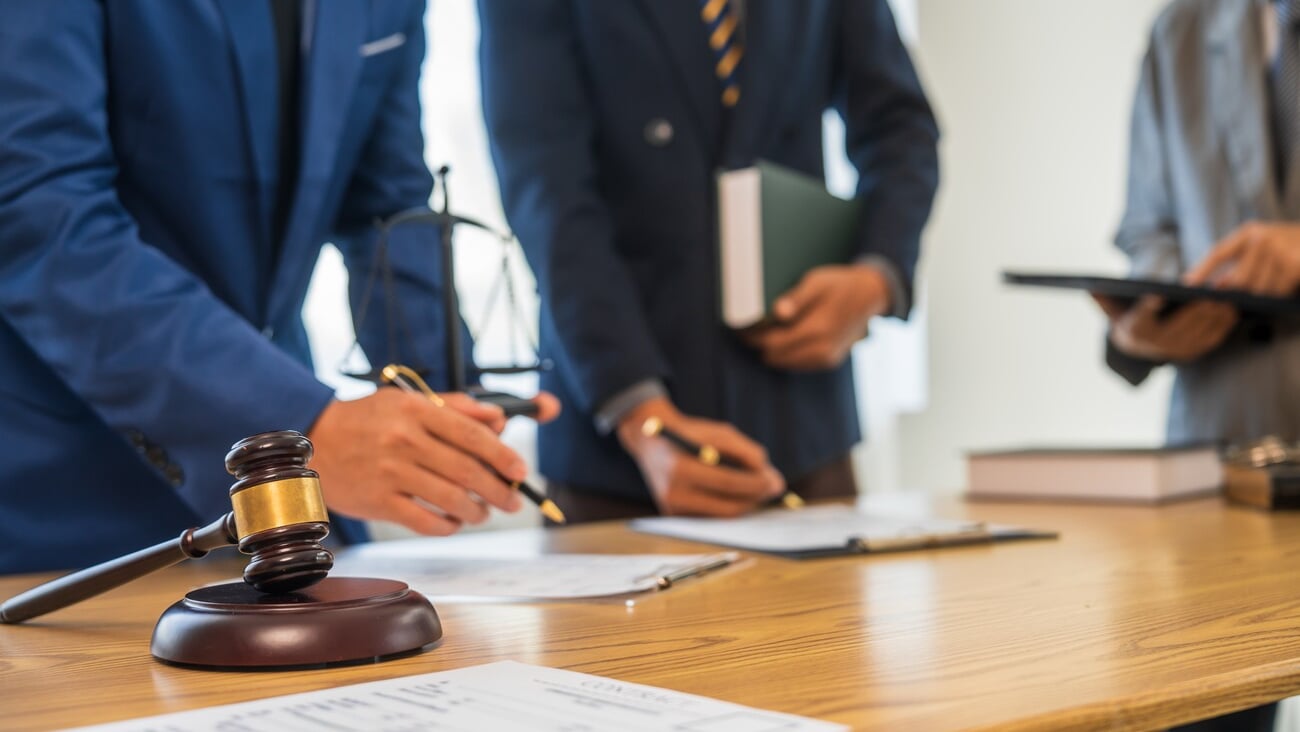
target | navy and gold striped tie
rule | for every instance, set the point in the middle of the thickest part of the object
(721, 19)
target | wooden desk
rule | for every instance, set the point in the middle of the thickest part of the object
(1136, 618)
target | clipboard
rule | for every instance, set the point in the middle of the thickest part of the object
(832, 531)
(1174, 293)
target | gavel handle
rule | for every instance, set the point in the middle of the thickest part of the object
(87, 583)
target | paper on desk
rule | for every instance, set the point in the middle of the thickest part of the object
(496, 696)
(547, 577)
(808, 530)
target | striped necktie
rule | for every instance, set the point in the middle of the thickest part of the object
(1286, 89)
(721, 19)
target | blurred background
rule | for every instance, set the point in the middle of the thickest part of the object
(1033, 97)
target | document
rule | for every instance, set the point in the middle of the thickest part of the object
(548, 577)
(829, 531)
(496, 696)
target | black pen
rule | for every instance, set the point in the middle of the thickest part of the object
(407, 380)
(707, 454)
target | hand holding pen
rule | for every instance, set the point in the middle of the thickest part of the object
(409, 381)
(689, 477)
(707, 454)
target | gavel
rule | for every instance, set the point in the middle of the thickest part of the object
(286, 613)
(279, 519)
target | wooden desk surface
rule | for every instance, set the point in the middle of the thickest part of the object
(1136, 618)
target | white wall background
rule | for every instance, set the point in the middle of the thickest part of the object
(1034, 99)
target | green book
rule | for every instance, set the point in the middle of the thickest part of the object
(775, 224)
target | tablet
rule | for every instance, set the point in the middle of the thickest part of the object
(1129, 290)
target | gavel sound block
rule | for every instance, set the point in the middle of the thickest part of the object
(286, 613)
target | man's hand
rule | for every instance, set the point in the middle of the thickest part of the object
(400, 457)
(1187, 334)
(1258, 257)
(819, 320)
(680, 484)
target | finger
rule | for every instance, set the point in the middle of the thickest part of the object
(475, 439)
(447, 496)
(729, 483)
(790, 305)
(467, 474)
(808, 328)
(1274, 282)
(811, 356)
(1196, 328)
(683, 501)
(1113, 308)
(489, 414)
(731, 443)
(1189, 319)
(1149, 306)
(403, 509)
(1249, 271)
(1210, 334)
(548, 406)
(1227, 250)
(1261, 262)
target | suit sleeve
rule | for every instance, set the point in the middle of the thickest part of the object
(398, 318)
(1148, 231)
(890, 134)
(136, 336)
(540, 119)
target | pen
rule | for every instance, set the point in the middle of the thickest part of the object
(665, 581)
(707, 454)
(407, 380)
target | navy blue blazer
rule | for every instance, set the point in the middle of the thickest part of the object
(147, 317)
(607, 130)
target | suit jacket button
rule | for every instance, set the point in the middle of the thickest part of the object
(136, 438)
(659, 132)
(268, 332)
(157, 456)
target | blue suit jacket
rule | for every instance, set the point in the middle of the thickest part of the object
(607, 130)
(147, 318)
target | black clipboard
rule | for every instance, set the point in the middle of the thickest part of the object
(1174, 294)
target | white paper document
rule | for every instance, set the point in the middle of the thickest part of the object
(547, 577)
(827, 530)
(495, 696)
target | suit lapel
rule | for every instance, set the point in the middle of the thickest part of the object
(248, 24)
(770, 32)
(1240, 98)
(680, 30)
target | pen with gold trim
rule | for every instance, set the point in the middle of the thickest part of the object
(707, 454)
(408, 380)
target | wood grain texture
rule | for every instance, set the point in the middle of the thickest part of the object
(1137, 618)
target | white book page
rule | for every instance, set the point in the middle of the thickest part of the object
(553, 577)
(740, 236)
(809, 529)
(496, 696)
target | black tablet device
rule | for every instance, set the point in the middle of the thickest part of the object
(1173, 292)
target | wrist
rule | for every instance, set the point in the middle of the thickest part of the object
(875, 285)
(629, 427)
(323, 420)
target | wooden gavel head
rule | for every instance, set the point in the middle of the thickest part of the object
(279, 513)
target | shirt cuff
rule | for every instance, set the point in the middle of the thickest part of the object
(898, 300)
(613, 410)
